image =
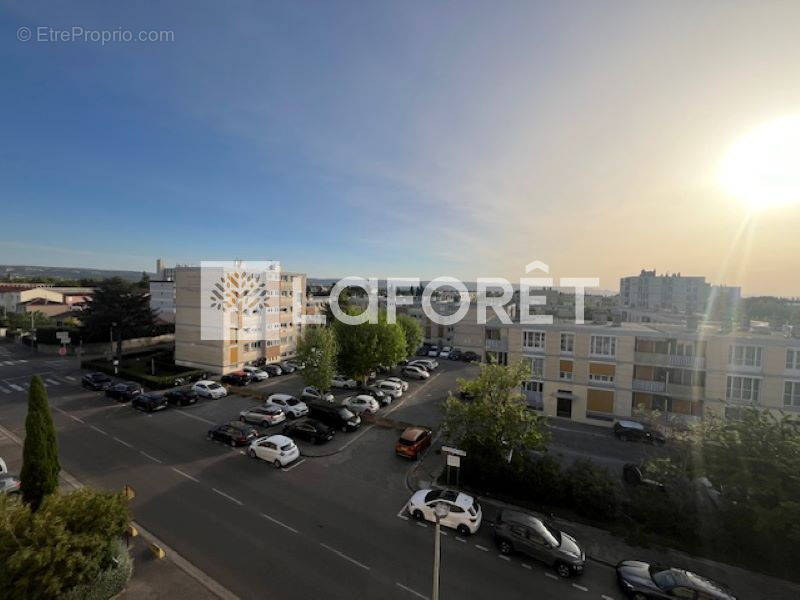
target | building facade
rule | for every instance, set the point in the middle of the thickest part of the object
(162, 299)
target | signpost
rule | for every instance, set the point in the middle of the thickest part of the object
(453, 461)
(63, 337)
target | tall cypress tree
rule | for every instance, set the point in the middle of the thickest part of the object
(40, 467)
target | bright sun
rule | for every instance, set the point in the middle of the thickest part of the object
(763, 167)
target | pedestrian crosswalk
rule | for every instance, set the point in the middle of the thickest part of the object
(17, 385)
(11, 363)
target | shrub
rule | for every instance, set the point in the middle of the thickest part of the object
(110, 582)
(591, 491)
(156, 382)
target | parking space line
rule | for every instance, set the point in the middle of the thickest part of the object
(482, 548)
(268, 518)
(124, 443)
(153, 458)
(604, 597)
(460, 539)
(409, 590)
(4, 390)
(550, 575)
(231, 498)
(74, 418)
(526, 566)
(53, 381)
(191, 416)
(503, 557)
(14, 386)
(421, 524)
(297, 464)
(98, 430)
(344, 556)
(179, 472)
(580, 587)
(70, 377)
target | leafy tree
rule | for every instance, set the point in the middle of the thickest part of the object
(318, 349)
(495, 421)
(22, 321)
(367, 346)
(40, 467)
(412, 331)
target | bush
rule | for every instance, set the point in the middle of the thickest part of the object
(155, 382)
(110, 582)
(591, 491)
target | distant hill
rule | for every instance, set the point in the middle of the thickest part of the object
(27, 271)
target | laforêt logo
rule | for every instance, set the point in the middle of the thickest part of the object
(239, 291)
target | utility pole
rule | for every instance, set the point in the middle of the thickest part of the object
(440, 511)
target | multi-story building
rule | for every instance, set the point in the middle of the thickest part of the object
(162, 299)
(228, 348)
(673, 292)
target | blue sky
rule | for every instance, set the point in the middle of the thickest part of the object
(391, 138)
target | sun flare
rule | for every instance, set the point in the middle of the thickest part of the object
(763, 167)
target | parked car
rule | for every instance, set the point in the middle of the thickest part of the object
(455, 354)
(403, 383)
(149, 402)
(3, 467)
(390, 388)
(310, 430)
(643, 581)
(181, 396)
(255, 373)
(632, 475)
(265, 415)
(430, 363)
(422, 351)
(464, 515)
(209, 389)
(415, 372)
(340, 417)
(445, 352)
(413, 441)
(434, 352)
(342, 382)
(10, 484)
(287, 367)
(259, 362)
(377, 393)
(532, 535)
(96, 381)
(296, 364)
(273, 370)
(234, 433)
(362, 404)
(633, 430)
(313, 394)
(124, 391)
(470, 356)
(236, 378)
(293, 407)
(276, 449)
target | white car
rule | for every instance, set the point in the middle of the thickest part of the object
(445, 353)
(464, 513)
(3, 468)
(276, 449)
(266, 416)
(416, 372)
(293, 407)
(209, 389)
(390, 388)
(340, 381)
(433, 352)
(430, 363)
(256, 373)
(403, 383)
(361, 404)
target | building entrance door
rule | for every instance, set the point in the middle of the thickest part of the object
(564, 407)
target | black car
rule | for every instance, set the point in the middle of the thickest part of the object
(423, 351)
(455, 354)
(633, 430)
(259, 362)
(149, 402)
(643, 581)
(310, 430)
(339, 417)
(234, 433)
(470, 357)
(273, 370)
(236, 378)
(181, 396)
(287, 367)
(96, 381)
(375, 392)
(124, 391)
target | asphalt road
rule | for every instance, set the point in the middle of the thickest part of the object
(323, 527)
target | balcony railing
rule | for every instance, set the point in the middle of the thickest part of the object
(686, 391)
(646, 385)
(497, 345)
(670, 360)
(535, 400)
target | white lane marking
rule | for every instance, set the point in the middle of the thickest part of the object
(52, 381)
(70, 377)
(14, 386)
(74, 418)
(268, 518)
(551, 576)
(153, 458)
(231, 498)
(98, 430)
(191, 416)
(482, 548)
(604, 597)
(124, 443)
(297, 464)
(444, 533)
(526, 566)
(344, 556)
(4, 390)
(409, 590)
(460, 539)
(61, 410)
(421, 524)
(580, 587)
(503, 557)
(22, 360)
(179, 472)
(8, 363)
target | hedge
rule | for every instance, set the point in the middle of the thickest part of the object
(109, 583)
(155, 382)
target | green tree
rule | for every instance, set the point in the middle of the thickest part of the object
(495, 421)
(40, 467)
(22, 321)
(367, 346)
(318, 349)
(412, 331)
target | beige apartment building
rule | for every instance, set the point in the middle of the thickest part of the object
(597, 373)
(226, 348)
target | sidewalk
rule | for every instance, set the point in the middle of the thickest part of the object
(602, 546)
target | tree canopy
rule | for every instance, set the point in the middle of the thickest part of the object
(40, 466)
(367, 346)
(318, 349)
(120, 305)
(412, 331)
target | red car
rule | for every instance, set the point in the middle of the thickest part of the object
(413, 441)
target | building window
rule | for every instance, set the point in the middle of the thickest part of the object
(603, 345)
(565, 370)
(793, 359)
(601, 378)
(742, 389)
(744, 356)
(532, 386)
(791, 394)
(533, 340)
(536, 366)
(568, 343)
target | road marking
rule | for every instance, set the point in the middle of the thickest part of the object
(124, 443)
(70, 377)
(421, 524)
(503, 557)
(580, 587)
(409, 590)
(444, 533)
(482, 548)
(344, 556)
(268, 518)
(153, 458)
(98, 430)
(297, 464)
(604, 597)
(52, 381)
(526, 566)
(5, 391)
(61, 410)
(179, 472)
(74, 418)
(551, 576)
(191, 416)
(461, 539)
(231, 498)
(14, 386)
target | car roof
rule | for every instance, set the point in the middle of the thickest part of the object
(518, 516)
(280, 396)
(205, 382)
(412, 433)
(279, 440)
(631, 424)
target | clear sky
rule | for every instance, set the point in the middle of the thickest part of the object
(398, 138)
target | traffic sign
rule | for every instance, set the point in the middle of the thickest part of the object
(456, 451)
(453, 460)
(62, 351)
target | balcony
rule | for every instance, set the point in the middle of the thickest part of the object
(693, 392)
(535, 400)
(497, 345)
(670, 360)
(646, 385)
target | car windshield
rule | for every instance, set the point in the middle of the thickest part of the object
(345, 414)
(287, 447)
(292, 401)
(214, 386)
(663, 578)
(405, 442)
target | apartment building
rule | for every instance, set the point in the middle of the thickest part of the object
(673, 292)
(231, 344)
(600, 372)
(162, 299)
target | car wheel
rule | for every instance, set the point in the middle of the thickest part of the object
(291, 415)
(417, 514)
(344, 428)
(277, 464)
(505, 547)
(251, 453)
(463, 530)
(563, 569)
(233, 444)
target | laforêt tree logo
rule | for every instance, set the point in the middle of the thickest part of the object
(240, 292)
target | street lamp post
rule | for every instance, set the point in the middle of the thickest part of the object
(440, 511)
